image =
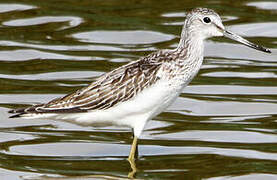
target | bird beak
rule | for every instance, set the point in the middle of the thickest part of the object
(240, 39)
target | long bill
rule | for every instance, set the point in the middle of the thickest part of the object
(240, 39)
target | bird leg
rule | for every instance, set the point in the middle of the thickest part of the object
(132, 156)
(133, 153)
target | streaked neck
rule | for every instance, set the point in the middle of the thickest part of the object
(191, 43)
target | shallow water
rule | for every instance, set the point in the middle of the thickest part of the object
(223, 126)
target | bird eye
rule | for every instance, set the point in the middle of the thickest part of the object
(207, 20)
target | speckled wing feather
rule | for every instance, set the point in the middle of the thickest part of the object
(108, 90)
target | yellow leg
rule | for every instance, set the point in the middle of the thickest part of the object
(133, 151)
(131, 158)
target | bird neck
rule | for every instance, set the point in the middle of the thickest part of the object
(191, 39)
(190, 50)
(191, 44)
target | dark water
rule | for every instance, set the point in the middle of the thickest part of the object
(223, 126)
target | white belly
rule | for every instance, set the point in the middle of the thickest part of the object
(133, 113)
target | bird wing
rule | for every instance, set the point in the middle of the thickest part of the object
(108, 90)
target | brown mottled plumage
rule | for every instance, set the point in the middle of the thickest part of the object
(111, 88)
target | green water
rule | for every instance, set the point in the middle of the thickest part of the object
(223, 126)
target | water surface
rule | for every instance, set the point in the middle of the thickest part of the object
(223, 126)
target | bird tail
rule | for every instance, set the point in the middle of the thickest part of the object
(23, 111)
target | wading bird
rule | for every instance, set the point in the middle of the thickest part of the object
(138, 91)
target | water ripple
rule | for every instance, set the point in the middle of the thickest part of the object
(230, 90)
(15, 7)
(256, 75)
(254, 176)
(220, 136)
(123, 37)
(54, 75)
(71, 48)
(243, 153)
(264, 29)
(29, 54)
(73, 21)
(269, 5)
(188, 106)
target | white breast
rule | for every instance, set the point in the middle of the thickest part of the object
(133, 113)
